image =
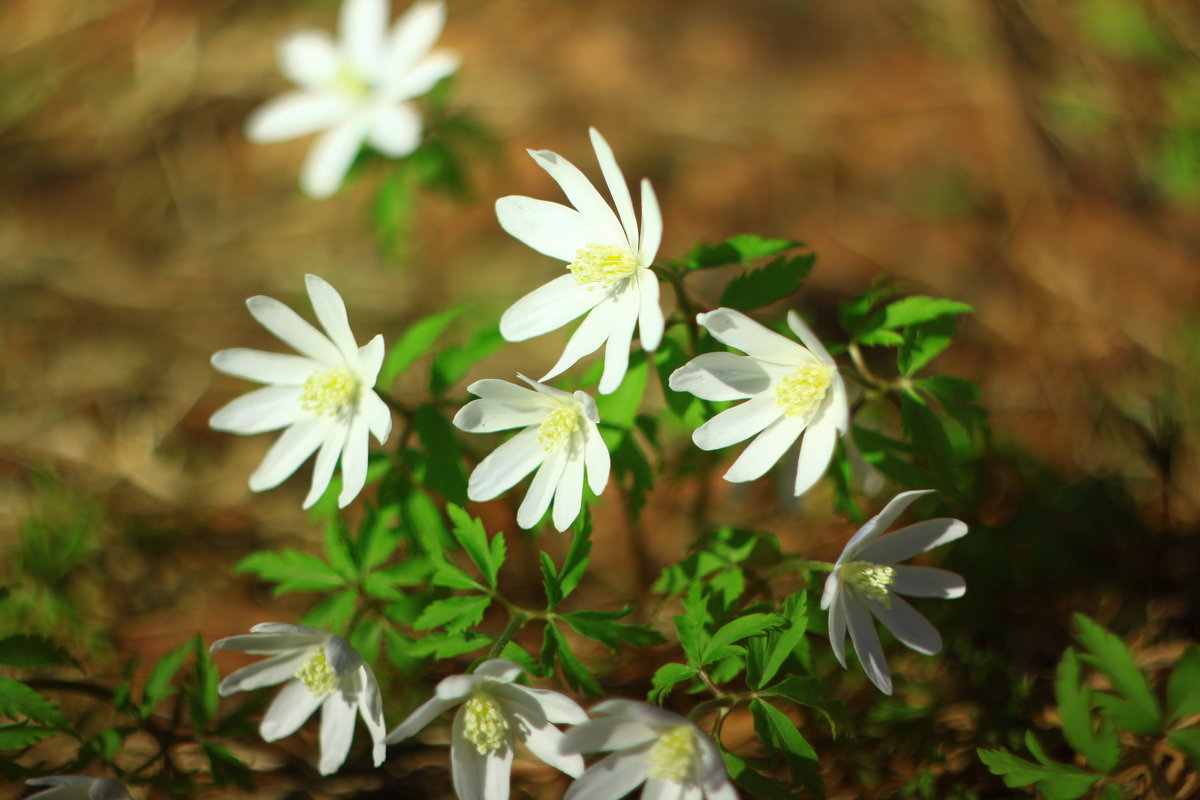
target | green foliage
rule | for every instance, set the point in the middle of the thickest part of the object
(24, 650)
(417, 341)
(451, 365)
(769, 284)
(743, 249)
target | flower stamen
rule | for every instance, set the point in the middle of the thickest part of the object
(485, 727)
(316, 674)
(602, 265)
(871, 579)
(348, 83)
(800, 393)
(328, 393)
(556, 429)
(672, 755)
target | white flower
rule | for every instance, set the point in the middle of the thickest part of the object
(321, 670)
(789, 390)
(674, 757)
(355, 88)
(610, 278)
(560, 441)
(867, 578)
(495, 713)
(78, 787)
(323, 396)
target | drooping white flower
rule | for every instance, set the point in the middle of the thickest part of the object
(322, 671)
(672, 756)
(78, 787)
(323, 396)
(494, 713)
(560, 440)
(609, 262)
(790, 390)
(355, 88)
(867, 580)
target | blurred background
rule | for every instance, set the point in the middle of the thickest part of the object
(1039, 160)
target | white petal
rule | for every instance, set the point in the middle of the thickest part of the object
(379, 416)
(510, 393)
(650, 316)
(596, 327)
(289, 628)
(291, 329)
(721, 376)
(714, 778)
(423, 77)
(370, 706)
(652, 225)
(658, 789)
(837, 407)
(612, 777)
(879, 523)
(643, 712)
(395, 130)
(411, 39)
(550, 228)
(489, 416)
(866, 641)
(547, 308)
(608, 733)
(338, 714)
(617, 188)
(354, 461)
(288, 711)
(912, 539)
(262, 367)
(308, 58)
(620, 339)
(291, 449)
(420, 717)
(500, 669)
(330, 158)
(544, 743)
(568, 496)
(505, 466)
(766, 449)
(331, 313)
(267, 672)
(805, 334)
(596, 458)
(816, 449)
(295, 114)
(541, 490)
(928, 582)
(735, 329)
(327, 458)
(583, 195)
(266, 409)
(370, 360)
(362, 25)
(61, 780)
(478, 777)
(907, 624)
(738, 423)
(261, 644)
(837, 618)
(555, 707)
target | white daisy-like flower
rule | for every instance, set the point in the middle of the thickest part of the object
(323, 396)
(868, 580)
(672, 756)
(322, 671)
(790, 389)
(78, 787)
(609, 262)
(560, 440)
(355, 88)
(494, 713)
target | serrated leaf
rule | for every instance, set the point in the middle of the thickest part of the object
(337, 549)
(666, 678)
(451, 577)
(18, 700)
(778, 731)
(923, 343)
(18, 737)
(738, 629)
(555, 648)
(1065, 780)
(741, 249)
(158, 686)
(755, 783)
(1188, 743)
(292, 571)
(1183, 687)
(782, 642)
(574, 565)
(455, 613)
(448, 646)
(1109, 655)
(1100, 747)
(445, 472)
(26, 650)
(417, 340)
(202, 689)
(917, 309)
(604, 628)
(769, 284)
(929, 438)
(469, 532)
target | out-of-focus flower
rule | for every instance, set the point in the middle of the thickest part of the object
(321, 670)
(867, 580)
(323, 396)
(789, 390)
(672, 756)
(493, 714)
(355, 88)
(78, 787)
(560, 440)
(609, 262)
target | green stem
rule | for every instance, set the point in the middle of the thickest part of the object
(687, 309)
(516, 621)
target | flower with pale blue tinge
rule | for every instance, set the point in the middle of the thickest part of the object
(791, 390)
(673, 757)
(321, 671)
(77, 787)
(323, 397)
(355, 89)
(560, 440)
(608, 262)
(867, 581)
(494, 713)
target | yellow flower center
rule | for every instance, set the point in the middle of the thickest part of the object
(800, 393)
(328, 393)
(348, 83)
(316, 674)
(557, 427)
(602, 265)
(672, 755)
(871, 579)
(486, 727)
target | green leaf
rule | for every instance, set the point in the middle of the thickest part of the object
(621, 406)
(1060, 780)
(18, 737)
(741, 249)
(631, 467)
(337, 549)
(958, 397)
(1100, 747)
(555, 647)
(560, 583)
(738, 629)
(333, 612)
(778, 731)
(669, 357)
(451, 365)
(881, 338)
(25, 650)
(201, 691)
(292, 571)
(666, 678)
(455, 613)
(755, 783)
(689, 626)
(603, 627)
(445, 472)
(1188, 743)
(810, 692)
(416, 341)
(929, 438)
(158, 686)
(917, 309)
(469, 532)
(18, 700)
(1183, 687)
(226, 767)
(449, 646)
(768, 284)
(781, 643)
(1109, 655)
(923, 343)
